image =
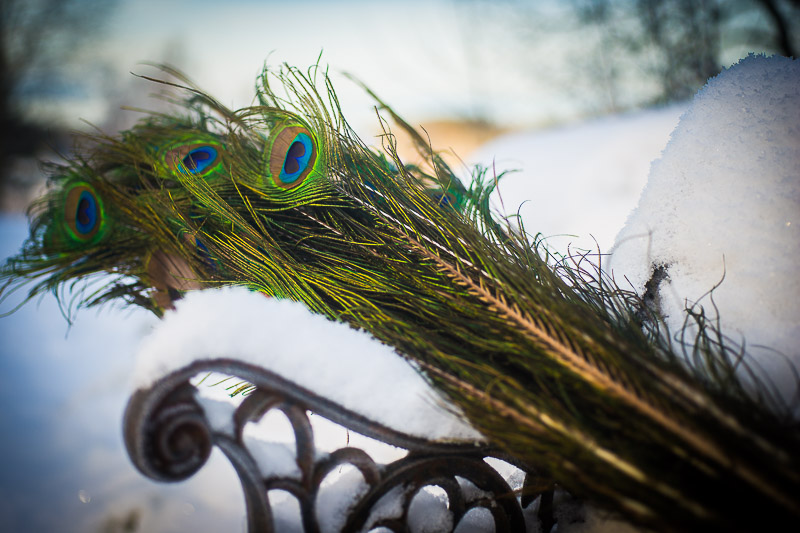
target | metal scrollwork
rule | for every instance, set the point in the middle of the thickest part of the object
(169, 438)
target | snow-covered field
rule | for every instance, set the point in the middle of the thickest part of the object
(63, 391)
(578, 183)
(63, 396)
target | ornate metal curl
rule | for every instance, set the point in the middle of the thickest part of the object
(169, 438)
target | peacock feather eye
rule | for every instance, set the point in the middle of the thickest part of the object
(84, 216)
(199, 159)
(292, 153)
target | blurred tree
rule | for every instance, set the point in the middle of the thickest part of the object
(682, 43)
(785, 20)
(593, 57)
(686, 37)
(39, 40)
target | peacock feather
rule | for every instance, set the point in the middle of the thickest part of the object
(546, 356)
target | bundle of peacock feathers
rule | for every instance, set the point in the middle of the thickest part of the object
(547, 357)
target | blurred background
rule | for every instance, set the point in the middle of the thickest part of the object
(467, 69)
(548, 78)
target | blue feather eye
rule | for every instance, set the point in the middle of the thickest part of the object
(292, 156)
(87, 216)
(297, 158)
(83, 213)
(198, 159)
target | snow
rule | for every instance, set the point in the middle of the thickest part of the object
(476, 520)
(724, 200)
(335, 497)
(273, 458)
(218, 412)
(63, 390)
(428, 512)
(329, 437)
(388, 507)
(330, 358)
(578, 181)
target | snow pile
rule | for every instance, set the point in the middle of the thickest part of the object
(725, 199)
(339, 363)
(578, 181)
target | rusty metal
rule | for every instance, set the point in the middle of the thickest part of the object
(169, 438)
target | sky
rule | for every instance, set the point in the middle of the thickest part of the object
(426, 58)
(512, 63)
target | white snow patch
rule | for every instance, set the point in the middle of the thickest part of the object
(274, 459)
(476, 520)
(513, 475)
(333, 360)
(336, 497)
(285, 512)
(577, 182)
(428, 511)
(725, 199)
(219, 413)
(329, 436)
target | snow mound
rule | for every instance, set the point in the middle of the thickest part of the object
(333, 360)
(724, 199)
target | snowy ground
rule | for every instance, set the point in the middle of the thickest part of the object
(63, 397)
(63, 391)
(578, 183)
